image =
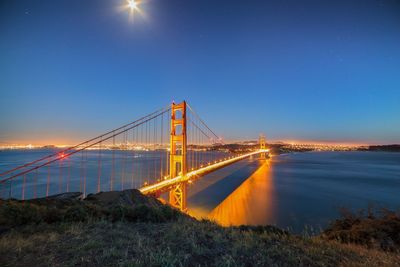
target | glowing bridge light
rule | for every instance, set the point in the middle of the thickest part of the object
(195, 174)
(156, 182)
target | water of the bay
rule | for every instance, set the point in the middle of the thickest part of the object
(292, 191)
(299, 190)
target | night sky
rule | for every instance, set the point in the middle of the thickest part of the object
(294, 70)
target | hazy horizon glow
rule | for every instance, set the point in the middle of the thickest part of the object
(311, 71)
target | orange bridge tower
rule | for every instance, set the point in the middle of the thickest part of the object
(262, 145)
(177, 163)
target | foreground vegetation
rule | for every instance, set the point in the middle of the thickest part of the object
(374, 228)
(128, 229)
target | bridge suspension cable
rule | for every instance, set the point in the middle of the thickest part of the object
(80, 144)
(136, 155)
(203, 123)
(106, 151)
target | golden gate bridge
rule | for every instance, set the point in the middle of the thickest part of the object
(158, 153)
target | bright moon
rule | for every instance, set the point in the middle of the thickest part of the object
(132, 4)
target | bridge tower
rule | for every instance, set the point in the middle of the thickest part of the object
(262, 145)
(177, 162)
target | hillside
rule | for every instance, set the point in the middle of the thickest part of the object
(126, 228)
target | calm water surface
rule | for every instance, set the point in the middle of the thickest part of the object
(298, 190)
(291, 191)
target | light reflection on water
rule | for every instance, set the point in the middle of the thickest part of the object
(299, 190)
(255, 194)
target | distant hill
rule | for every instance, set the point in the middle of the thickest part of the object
(389, 148)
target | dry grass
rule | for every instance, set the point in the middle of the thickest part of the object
(176, 240)
(180, 243)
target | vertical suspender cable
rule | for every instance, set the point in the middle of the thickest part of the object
(112, 177)
(84, 173)
(60, 176)
(161, 147)
(99, 168)
(69, 173)
(154, 175)
(133, 158)
(35, 183)
(23, 187)
(48, 181)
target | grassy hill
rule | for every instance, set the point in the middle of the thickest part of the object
(129, 229)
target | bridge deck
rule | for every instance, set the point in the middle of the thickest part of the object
(164, 185)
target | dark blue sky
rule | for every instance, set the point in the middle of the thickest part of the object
(295, 70)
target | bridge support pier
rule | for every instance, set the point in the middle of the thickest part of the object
(177, 162)
(177, 196)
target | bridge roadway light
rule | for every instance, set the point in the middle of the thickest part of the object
(194, 174)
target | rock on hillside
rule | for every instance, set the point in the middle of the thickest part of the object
(130, 197)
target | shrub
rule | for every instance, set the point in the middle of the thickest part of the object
(147, 214)
(374, 228)
(169, 213)
(15, 213)
(75, 214)
(52, 215)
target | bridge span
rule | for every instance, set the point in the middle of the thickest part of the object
(166, 184)
(158, 153)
